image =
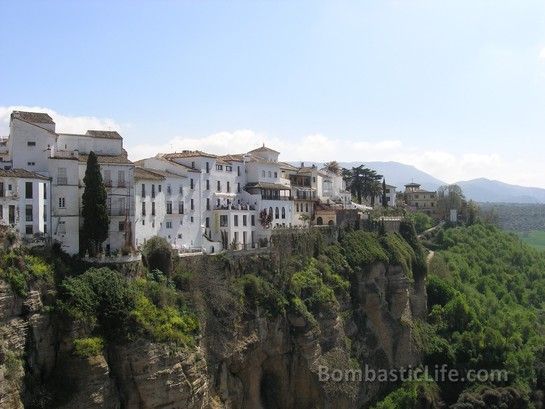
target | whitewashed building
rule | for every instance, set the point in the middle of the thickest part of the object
(34, 145)
(25, 202)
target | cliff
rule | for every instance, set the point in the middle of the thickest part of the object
(268, 323)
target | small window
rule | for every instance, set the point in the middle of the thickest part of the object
(244, 220)
(62, 203)
(29, 229)
(253, 220)
(31, 143)
(169, 207)
(207, 184)
(219, 186)
(61, 227)
(31, 163)
(28, 213)
(192, 207)
(191, 184)
(219, 167)
(235, 220)
(143, 209)
(223, 220)
(228, 168)
(121, 226)
(169, 225)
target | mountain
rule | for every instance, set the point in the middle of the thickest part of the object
(486, 190)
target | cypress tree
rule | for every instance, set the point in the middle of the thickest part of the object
(384, 198)
(95, 213)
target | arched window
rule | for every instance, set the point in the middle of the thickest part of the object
(319, 221)
(270, 211)
(277, 213)
(283, 213)
(331, 223)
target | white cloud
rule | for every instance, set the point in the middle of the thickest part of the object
(541, 56)
(64, 123)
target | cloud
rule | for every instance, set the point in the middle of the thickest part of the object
(541, 56)
(64, 123)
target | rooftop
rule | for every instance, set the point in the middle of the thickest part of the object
(34, 117)
(103, 134)
(141, 173)
(21, 173)
(188, 154)
(264, 149)
(115, 159)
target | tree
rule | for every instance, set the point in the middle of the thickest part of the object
(333, 167)
(158, 255)
(449, 197)
(94, 210)
(362, 182)
(384, 197)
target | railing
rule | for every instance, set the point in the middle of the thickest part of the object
(268, 197)
(121, 183)
(62, 180)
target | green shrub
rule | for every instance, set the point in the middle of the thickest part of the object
(157, 254)
(309, 286)
(399, 252)
(362, 249)
(257, 292)
(88, 347)
(165, 324)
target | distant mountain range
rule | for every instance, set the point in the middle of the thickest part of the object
(480, 190)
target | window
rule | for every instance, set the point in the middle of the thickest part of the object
(306, 207)
(181, 207)
(283, 213)
(152, 191)
(169, 207)
(31, 143)
(238, 170)
(207, 222)
(238, 187)
(207, 184)
(108, 177)
(192, 206)
(153, 208)
(61, 203)
(120, 178)
(193, 165)
(219, 186)
(143, 209)
(28, 190)
(1, 211)
(169, 189)
(207, 167)
(228, 168)
(61, 227)
(159, 188)
(297, 207)
(1, 189)
(219, 167)
(228, 187)
(253, 219)
(191, 184)
(62, 179)
(276, 213)
(223, 220)
(244, 220)
(143, 190)
(275, 174)
(181, 190)
(169, 225)
(31, 163)
(121, 226)
(191, 219)
(29, 229)
(270, 174)
(207, 203)
(143, 222)
(45, 190)
(262, 173)
(235, 220)
(28, 213)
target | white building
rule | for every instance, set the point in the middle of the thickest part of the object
(25, 202)
(34, 145)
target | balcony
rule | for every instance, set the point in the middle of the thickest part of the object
(62, 180)
(121, 183)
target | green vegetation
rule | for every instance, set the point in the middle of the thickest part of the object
(410, 395)
(422, 221)
(20, 269)
(486, 306)
(119, 310)
(535, 238)
(88, 347)
(157, 255)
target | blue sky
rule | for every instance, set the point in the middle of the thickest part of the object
(456, 88)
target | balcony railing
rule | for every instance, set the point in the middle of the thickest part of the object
(62, 180)
(121, 183)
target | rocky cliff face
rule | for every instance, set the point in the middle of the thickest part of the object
(244, 360)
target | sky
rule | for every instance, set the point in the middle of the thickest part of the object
(455, 88)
